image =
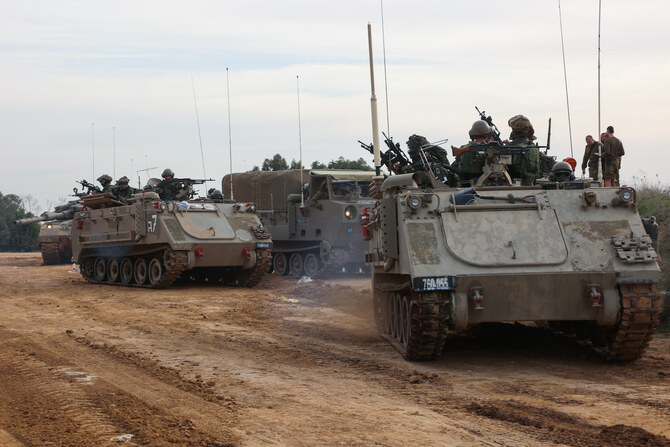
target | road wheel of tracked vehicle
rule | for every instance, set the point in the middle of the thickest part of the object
(311, 264)
(140, 271)
(113, 270)
(126, 271)
(295, 265)
(414, 323)
(155, 271)
(280, 264)
(100, 269)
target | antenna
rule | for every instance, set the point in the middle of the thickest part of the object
(302, 192)
(114, 152)
(600, 150)
(373, 107)
(386, 91)
(144, 170)
(565, 76)
(93, 148)
(230, 141)
(197, 120)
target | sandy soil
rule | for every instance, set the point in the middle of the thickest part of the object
(292, 364)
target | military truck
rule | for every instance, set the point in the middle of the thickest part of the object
(54, 235)
(313, 215)
(570, 256)
(149, 242)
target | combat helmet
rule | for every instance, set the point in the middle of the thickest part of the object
(521, 128)
(414, 143)
(561, 172)
(105, 179)
(167, 173)
(480, 128)
(123, 180)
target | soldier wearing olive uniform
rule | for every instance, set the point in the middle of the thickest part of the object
(525, 165)
(106, 182)
(168, 188)
(468, 163)
(591, 155)
(122, 191)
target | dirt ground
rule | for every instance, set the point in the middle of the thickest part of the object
(292, 364)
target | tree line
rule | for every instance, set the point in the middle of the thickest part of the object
(279, 163)
(15, 237)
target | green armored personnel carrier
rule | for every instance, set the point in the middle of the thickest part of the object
(314, 216)
(54, 235)
(571, 256)
(149, 242)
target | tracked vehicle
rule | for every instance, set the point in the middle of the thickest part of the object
(314, 216)
(149, 242)
(54, 236)
(570, 256)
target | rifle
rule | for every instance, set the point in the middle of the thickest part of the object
(393, 156)
(91, 187)
(489, 121)
(186, 186)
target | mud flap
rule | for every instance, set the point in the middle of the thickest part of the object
(610, 309)
(460, 310)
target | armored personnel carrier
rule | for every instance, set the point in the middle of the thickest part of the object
(571, 256)
(314, 216)
(149, 242)
(54, 236)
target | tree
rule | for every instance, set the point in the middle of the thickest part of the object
(295, 164)
(318, 165)
(342, 163)
(276, 163)
(15, 237)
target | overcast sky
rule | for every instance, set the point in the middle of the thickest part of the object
(128, 65)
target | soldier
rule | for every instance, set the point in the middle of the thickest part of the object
(614, 149)
(609, 161)
(215, 195)
(591, 154)
(168, 188)
(106, 182)
(467, 163)
(526, 165)
(122, 191)
(318, 191)
(434, 154)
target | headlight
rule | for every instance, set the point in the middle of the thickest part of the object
(350, 212)
(414, 202)
(626, 195)
(48, 225)
(252, 208)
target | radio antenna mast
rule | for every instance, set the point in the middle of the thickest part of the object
(373, 108)
(230, 141)
(600, 150)
(302, 192)
(565, 76)
(197, 120)
(386, 90)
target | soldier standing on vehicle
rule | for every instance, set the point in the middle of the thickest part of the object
(609, 161)
(614, 148)
(106, 182)
(591, 154)
(122, 191)
(525, 165)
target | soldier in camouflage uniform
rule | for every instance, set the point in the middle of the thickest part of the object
(467, 163)
(614, 150)
(434, 154)
(526, 165)
(122, 191)
(591, 155)
(106, 182)
(610, 167)
(168, 188)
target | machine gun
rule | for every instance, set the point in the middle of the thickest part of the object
(186, 186)
(394, 158)
(91, 188)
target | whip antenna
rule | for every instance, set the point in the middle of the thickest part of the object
(230, 140)
(600, 150)
(114, 151)
(197, 120)
(373, 107)
(93, 147)
(565, 76)
(302, 192)
(386, 90)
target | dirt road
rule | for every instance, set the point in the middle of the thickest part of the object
(292, 364)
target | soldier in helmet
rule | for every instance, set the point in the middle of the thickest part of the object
(215, 195)
(561, 172)
(434, 154)
(122, 191)
(467, 162)
(525, 165)
(106, 182)
(168, 188)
